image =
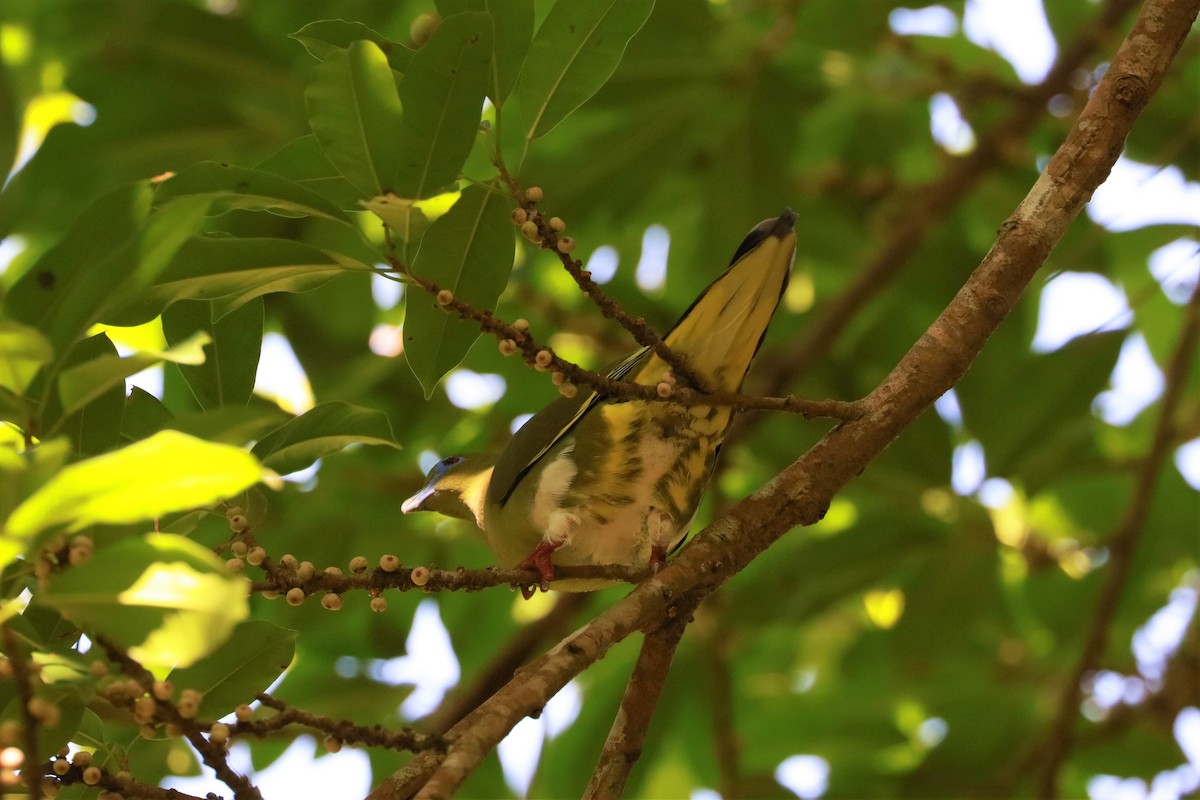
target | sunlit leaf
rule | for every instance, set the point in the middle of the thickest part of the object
(322, 431)
(83, 383)
(170, 471)
(254, 656)
(166, 599)
(23, 351)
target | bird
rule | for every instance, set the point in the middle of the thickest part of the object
(589, 480)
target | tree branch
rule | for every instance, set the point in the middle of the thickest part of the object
(801, 493)
(937, 198)
(623, 747)
(1121, 546)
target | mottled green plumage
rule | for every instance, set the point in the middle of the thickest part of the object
(587, 481)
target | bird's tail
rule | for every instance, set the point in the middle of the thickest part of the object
(724, 327)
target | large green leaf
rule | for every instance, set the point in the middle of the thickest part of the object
(166, 599)
(323, 38)
(238, 187)
(469, 251)
(512, 21)
(145, 415)
(226, 377)
(23, 351)
(574, 53)
(253, 657)
(354, 111)
(94, 425)
(319, 432)
(112, 249)
(170, 471)
(81, 384)
(58, 294)
(303, 162)
(442, 94)
(233, 271)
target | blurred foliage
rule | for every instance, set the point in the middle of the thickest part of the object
(916, 639)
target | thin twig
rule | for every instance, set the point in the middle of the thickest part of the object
(623, 747)
(1057, 743)
(214, 755)
(439, 580)
(543, 358)
(342, 730)
(802, 492)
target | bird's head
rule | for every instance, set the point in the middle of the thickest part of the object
(455, 486)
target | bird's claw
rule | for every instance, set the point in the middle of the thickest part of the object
(658, 558)
(539, 560)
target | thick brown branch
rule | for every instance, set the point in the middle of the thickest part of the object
(500, 670)
(802, 492)
(1121, 546)
(623, 747)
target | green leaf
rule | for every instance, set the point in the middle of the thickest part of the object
(170, 471)
(238, 187)
(442, 94)
(402, 216)
(512, 21)
(250, 660)
(20, 476)
(95, 425)
(323, 38)
(354, 111)
(232, 270)
(23, 351)
(166, 599)
(469, 251)
(144, 415)
(226, 377)
(10, 122)
(83, 383)
(319, 432)
(58, 294)
(574, 53)
(304, 163)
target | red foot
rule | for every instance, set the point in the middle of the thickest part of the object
(539, 559)
(658, 557)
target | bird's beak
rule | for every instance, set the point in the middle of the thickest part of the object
(414, 503)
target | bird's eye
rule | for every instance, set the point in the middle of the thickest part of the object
(451, 461)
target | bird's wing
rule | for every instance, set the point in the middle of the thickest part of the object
(546, 429)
